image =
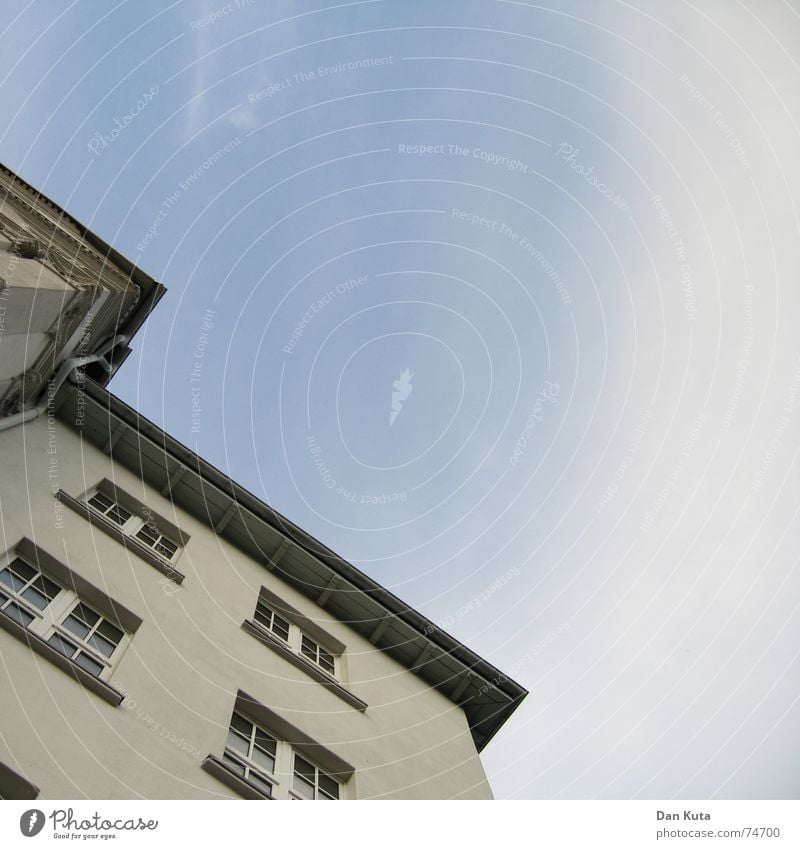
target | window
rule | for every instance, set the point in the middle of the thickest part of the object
(108, 508)
(271, 621)
(21, 583)
(89, 635)
(142, 527)
(133, 524)
(251, 753)
(58, 616)
(151, 536)
(303, 643)
(269, 765)
(310, 782)
(314, 652)
(295, 637)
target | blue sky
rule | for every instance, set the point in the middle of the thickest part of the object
(574, 224)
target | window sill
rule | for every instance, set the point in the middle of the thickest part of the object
(222, 772)
(14, 786)
(311, 669)
(41, 647)
(113, 530)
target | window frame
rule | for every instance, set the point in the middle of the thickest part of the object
(247, 761)
(318, 771)
(113, 506)
(296, 637)
(317, 651)
(135, 523)
(48, 622)
(280, 779)
(16, 598)
(262, 608)
(84, 646)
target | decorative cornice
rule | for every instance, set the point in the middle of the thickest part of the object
(67, 255)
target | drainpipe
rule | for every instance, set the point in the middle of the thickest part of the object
(53, 385)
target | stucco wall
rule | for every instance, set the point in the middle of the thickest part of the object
(188, 659)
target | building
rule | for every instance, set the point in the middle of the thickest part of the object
(163, 632)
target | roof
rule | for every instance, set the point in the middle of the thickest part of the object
(487, 696)
(41, 208)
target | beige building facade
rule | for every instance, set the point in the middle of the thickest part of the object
(163, 632)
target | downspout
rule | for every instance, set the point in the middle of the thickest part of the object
(53, 385)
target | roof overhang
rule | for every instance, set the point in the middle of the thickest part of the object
(45, 213)
(487, 696)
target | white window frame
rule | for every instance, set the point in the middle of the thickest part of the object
(295, 639)
(51, 619)
(281, 778)
(134, 524)
(319, 793)
(273, 617)
(318, 650)
(247, 761)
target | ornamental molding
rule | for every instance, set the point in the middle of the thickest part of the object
(67, 255)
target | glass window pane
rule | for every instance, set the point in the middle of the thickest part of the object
(35, 598)
(309, 648)
(99, 501)
(101, 644)
(234, 764)
(88, 663)
(303, 788)
(237, 743)
(265, 741)
(281, 627)
(277, 624)
(166, 547)
(62, 645)
(48, 587)
(263, 785)
(11, 580)
(73, 624)
(264, 760)
(86, 614)
(22, 569)
(41, 592)
(110, 632)
(304, 768)
(147, 534)
(242, 725)
(18, 614)
(119, 514)
(326, 661)
(328, 786)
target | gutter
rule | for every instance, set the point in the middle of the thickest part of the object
(56, 382)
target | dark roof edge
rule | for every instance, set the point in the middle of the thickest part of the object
(510, 689)
(129, 268)
(152, 290)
